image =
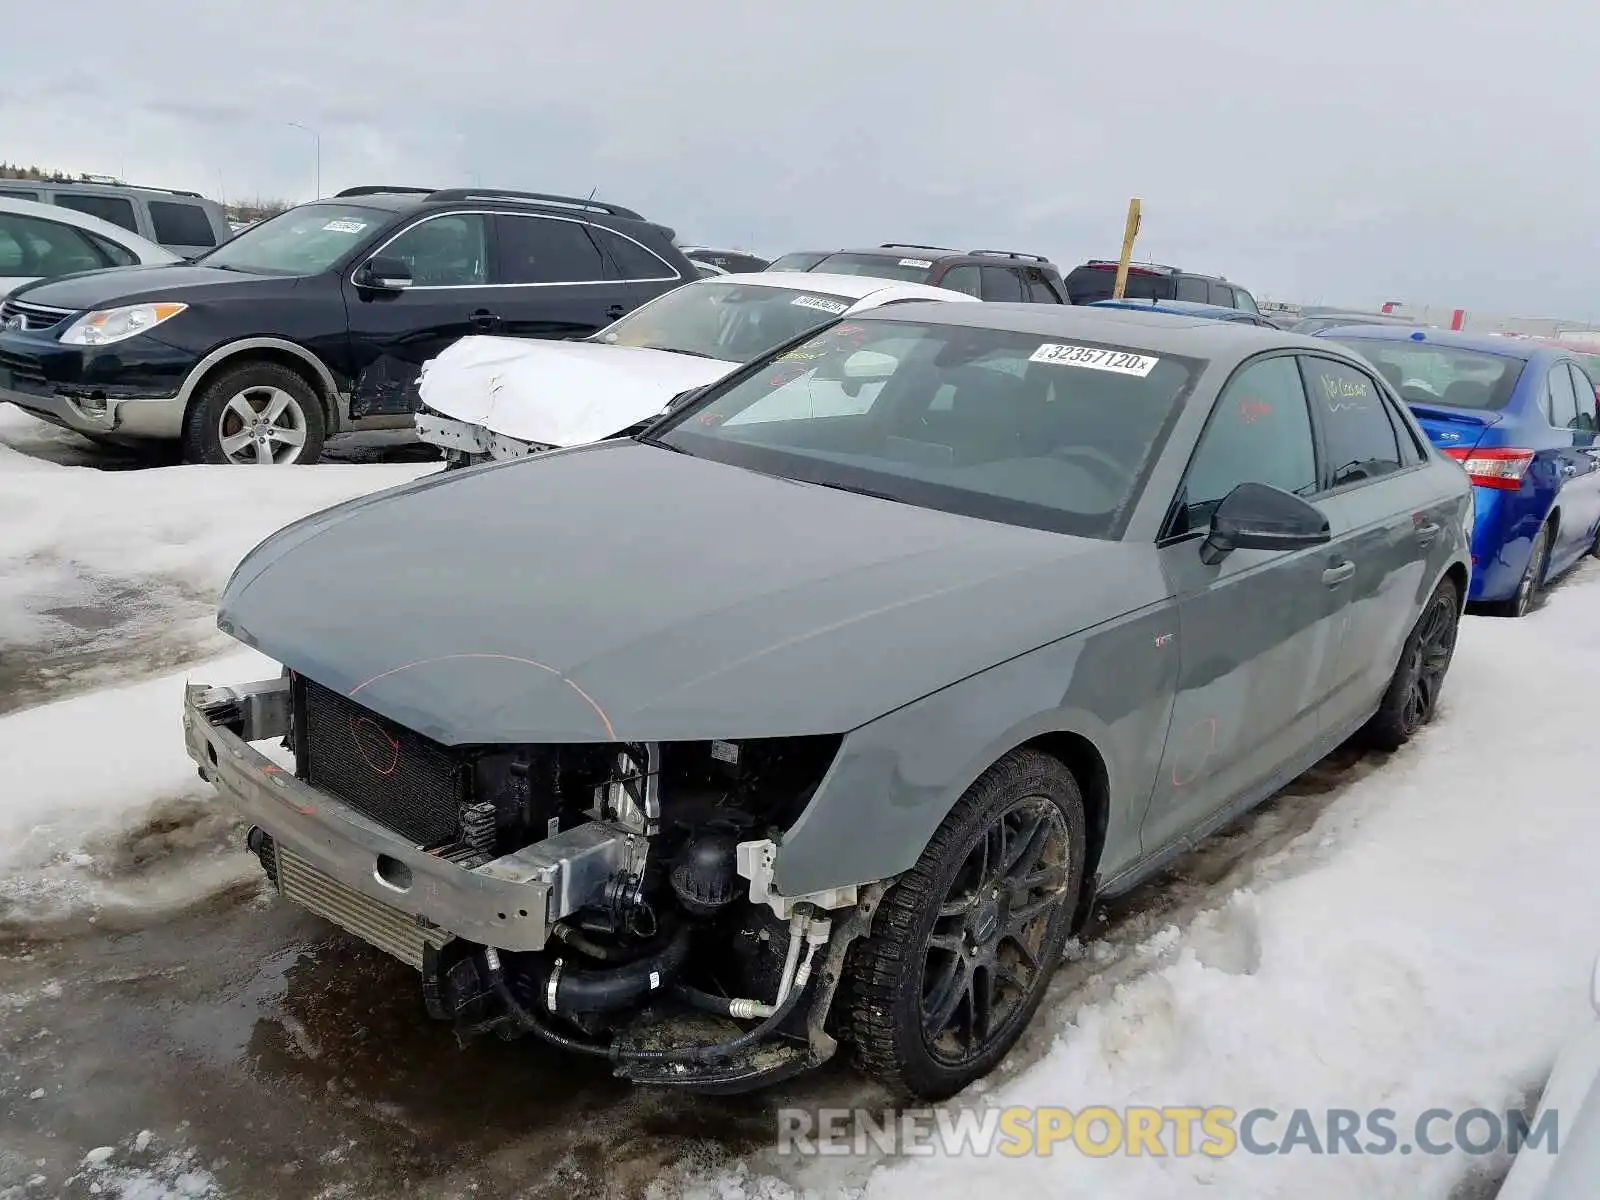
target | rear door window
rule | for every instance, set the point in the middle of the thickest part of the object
(179, 224)
(1357, 434)
(1583, 390)
(1002, 284)
(116, 209)
(963, 279)
(1190, 288)
(1560, 404)
(546, 250)
(18, 194)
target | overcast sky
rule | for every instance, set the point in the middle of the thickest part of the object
(1355, 152)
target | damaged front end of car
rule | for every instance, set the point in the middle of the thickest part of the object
(614, 899)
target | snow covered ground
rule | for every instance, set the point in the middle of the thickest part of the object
(108, 578)
(1426, 944)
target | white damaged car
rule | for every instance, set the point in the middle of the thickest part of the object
(497, 397)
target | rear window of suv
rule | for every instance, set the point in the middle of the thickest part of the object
(1087, 284)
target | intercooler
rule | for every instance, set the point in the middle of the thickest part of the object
(374, 922)
(404, 781)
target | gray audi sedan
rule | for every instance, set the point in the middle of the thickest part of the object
(823, 711)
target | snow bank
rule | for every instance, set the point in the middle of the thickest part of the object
(102, 813)
(1427, 944)
(108, 572)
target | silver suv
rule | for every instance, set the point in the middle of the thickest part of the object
(186, 223)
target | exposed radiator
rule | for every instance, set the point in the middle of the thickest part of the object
(404, 781)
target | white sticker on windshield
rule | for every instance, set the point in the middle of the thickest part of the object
(345, 226)
(1120, 361)
(915, 262)
(820, 304)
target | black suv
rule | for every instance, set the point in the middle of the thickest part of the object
(318, 321)
(1096, 279)
(997, 275)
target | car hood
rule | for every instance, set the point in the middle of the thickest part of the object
(621, 591)
(558, 393)
(130, 285)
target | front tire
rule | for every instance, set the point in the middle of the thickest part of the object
(965, 943)
(257, 413)
(1412, 699)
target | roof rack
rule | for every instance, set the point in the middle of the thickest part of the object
(915, 246)
(108, 181)
(615, 210)
(1018, 254)
(383, 189)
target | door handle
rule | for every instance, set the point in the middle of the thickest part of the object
(1334, 576)
(615, 311)
(483, 320)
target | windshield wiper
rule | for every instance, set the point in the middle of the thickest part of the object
(679, 350)
(850, 487)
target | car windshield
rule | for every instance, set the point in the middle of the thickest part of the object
(1025, 428)
(735, 322)
(1429, 373)
(303, 241)
(907, 267)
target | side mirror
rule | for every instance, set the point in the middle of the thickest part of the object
(385, 274)
(1256, 516)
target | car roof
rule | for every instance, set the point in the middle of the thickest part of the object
(856, 287)
(1157, 332)
(935, 254)
(62, 215)
(1482, 343)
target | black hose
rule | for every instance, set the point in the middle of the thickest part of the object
(610, 988)
(529, 1022)
(705, 1054)
(704, 1001)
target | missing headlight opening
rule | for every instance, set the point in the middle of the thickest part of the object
(613, 899)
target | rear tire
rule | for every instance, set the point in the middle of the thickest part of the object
(1412, 699)
(1531, 586)
(255, 413)
(964, 944)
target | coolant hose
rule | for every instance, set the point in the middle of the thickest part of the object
(609, 989)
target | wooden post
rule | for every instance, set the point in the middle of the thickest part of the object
(1129, 233)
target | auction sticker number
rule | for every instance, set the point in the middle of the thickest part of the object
(344, 226)
(820, 304)
(1120, 361)
(915, 262)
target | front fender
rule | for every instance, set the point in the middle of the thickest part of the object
(897, 777)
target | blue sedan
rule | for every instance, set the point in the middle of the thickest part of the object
(1520, 417)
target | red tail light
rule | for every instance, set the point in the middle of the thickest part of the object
(1501, 469)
